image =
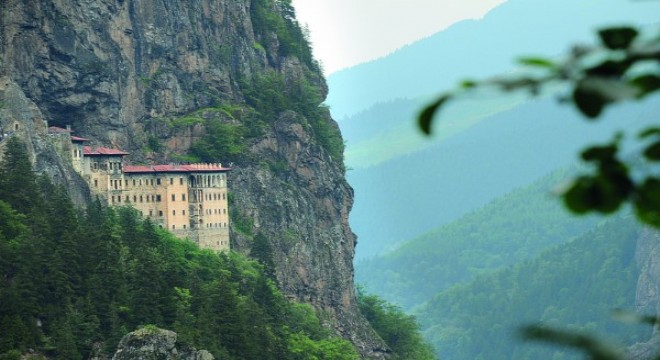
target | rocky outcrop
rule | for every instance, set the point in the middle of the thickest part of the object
(152, 343)
(19, 116)
(121, 72)
(647, 298)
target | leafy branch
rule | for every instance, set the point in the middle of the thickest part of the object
(624, 66)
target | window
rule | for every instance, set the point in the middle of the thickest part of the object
(180, 181)
(147, 198)
(134, 198)
(140, 182)
(151, 212)
(223, 196)
(173, 212)
(158, 198)
(113, 199)
(140, 198)
(127, 199)
(184, 212)
(173, 227)
(160, 212)
(173, 197)
(119, 198)
(184, 226)
(183, 197)
(133, 182)
(158, 181)
(171, 181)
(152, 182)
(96, 183)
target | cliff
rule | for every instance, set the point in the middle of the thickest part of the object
(210, 80)
(647, 297)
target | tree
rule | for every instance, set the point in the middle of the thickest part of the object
(627, 71)
(18, 186)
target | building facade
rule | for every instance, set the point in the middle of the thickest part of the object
(189, 200)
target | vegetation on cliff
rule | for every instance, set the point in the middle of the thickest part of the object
(74, 283)
(399, 330)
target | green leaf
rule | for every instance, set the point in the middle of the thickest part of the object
(618, 38)
(468, 84)
(647, 202)
(649, 132)
(537, 62)
(603, 193)
(646, 83)
(596, 349)
(600, 153)
(426, 116)
(593, 93)
(652, 152)
(589, 102)
(610, 68)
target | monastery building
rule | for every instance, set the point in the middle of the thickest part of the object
(189, 200)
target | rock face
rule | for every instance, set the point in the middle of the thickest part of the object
(647, 298)
(128, 73)
(153, 343)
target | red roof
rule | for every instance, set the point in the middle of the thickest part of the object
(175, 168)
(76, 138)
(88, 151)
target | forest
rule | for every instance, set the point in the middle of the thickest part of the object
(74, 282)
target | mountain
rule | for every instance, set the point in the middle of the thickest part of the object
(574, 286)
(465, 171)
(205, 81)
(394, 168)
(510, 229)
(477, 49)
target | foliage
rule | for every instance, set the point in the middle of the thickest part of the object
(513, 228)
(70, 280)
(399, 330)
(221, 141)
(623, 67)
(575, 286)
(291, 38)
(271, 94)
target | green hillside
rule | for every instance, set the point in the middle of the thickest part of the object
(511, 229)
(72, 283)
(573, 286)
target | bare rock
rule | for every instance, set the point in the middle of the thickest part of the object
(156, 344)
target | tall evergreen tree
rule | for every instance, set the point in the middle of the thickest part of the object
(17, 182)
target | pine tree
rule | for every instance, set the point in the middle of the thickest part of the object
(17, 183)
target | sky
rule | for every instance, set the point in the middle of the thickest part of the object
(349, 32)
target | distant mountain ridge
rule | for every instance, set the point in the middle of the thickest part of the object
(395, 170)
(479, 48)
(450, 178)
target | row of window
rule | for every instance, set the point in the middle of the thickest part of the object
(216, 211)
(209, 225)
(136, 198)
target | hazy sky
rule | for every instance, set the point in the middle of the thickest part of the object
(349, 32)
